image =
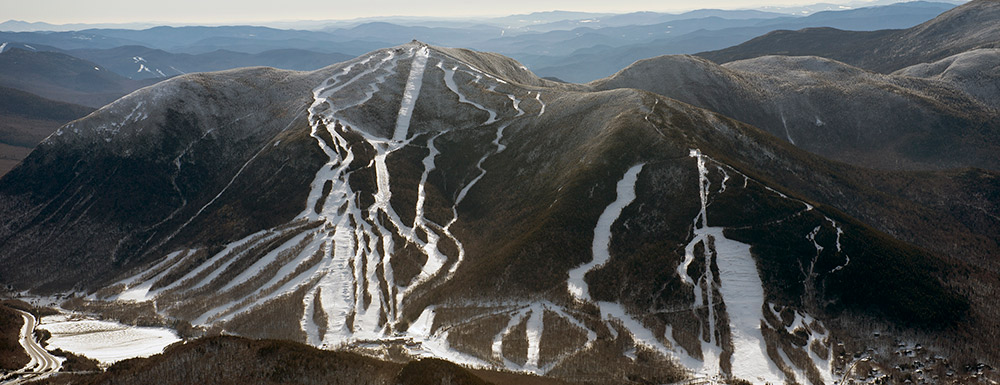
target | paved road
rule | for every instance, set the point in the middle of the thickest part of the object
(41, 361)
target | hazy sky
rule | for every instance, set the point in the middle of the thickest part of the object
(244, 11)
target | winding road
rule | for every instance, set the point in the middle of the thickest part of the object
(41, 361)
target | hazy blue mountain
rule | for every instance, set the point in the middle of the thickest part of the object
(65, 40)
(24, 26)
(138, 62)
(179, 38)
(893, 16)
(562, 43)
(399, 34)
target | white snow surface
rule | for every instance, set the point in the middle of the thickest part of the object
(743, 293)
(105, 341)
(412, 92)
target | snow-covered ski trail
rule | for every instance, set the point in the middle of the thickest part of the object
(741, 291)
(740, 288)
(625, 191)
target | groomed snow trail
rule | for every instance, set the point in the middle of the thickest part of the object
(625, 191)
(741, 290)
(413, 84)
(531, 314)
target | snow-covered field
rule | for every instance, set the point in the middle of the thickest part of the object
(105, 341)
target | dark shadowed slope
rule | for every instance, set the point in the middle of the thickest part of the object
(26, 119)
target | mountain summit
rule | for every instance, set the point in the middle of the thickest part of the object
(969, 26)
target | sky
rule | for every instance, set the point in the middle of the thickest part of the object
(248, 11)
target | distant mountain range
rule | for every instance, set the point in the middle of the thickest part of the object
(971, 27)
(601, 60)
(569, 46)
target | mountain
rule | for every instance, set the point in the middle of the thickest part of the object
(24, 26)
(195, 39)
(641, 19)
(65, 40)
(137, 62)
(63, 78)
(604, 59)
(393, 33)
(449, 203)
(175, 38)
(966, 27)
(895, 122)
(645, 18)
(577, 47)
(975, 72)
(566, 42)
(26, 119)
(891, 16)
